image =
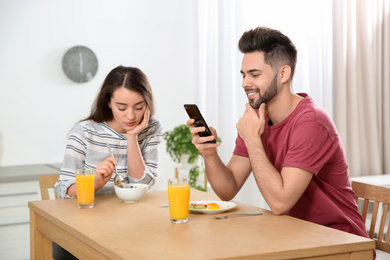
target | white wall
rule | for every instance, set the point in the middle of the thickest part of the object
(39, 104)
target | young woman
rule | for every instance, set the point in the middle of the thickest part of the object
(120, 117)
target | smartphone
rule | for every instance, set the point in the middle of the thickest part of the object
(194, 112)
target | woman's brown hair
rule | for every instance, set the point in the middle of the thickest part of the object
(128, 77)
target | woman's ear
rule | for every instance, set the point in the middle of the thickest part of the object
(284, 73)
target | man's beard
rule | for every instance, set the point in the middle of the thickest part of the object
(271, 91)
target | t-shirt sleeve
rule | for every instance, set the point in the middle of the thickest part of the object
(240, 148)
(311, 146)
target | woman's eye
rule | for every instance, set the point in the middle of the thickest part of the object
(139, 108)
(121, 109)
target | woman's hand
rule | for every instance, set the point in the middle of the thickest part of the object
(104, 171)
(142, 125)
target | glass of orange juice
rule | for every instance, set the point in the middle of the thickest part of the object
(179, 200)
(85, 182)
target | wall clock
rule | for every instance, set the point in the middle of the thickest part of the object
(80, 64)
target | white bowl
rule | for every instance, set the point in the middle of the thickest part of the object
(131, 192)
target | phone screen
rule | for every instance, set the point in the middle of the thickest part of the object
(194, 113)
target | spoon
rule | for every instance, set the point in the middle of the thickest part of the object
(118, 180)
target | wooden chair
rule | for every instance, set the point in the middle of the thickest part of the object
(380, 196)
(46, 182)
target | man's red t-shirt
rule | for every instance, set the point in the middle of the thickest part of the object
(308, 139)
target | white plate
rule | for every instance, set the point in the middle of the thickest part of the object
(225, 206)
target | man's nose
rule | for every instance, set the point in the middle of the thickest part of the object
(246, 82)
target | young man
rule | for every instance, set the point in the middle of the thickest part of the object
(289, 143)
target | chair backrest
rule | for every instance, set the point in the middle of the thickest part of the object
(46, 182)
(380, 196)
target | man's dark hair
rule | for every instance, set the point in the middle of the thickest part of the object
(278, 48)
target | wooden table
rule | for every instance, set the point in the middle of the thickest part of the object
(116, 230)
(382, 180)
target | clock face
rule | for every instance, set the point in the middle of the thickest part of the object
(80, 64)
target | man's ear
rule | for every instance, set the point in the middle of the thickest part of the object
(284, 73)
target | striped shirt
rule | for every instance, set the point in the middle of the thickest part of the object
(87, 147)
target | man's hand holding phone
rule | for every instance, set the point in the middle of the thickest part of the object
(203, 137)
(204, 144)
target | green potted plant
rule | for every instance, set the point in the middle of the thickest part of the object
(179, 144)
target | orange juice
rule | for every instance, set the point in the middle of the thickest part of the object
(179, 198)
(85, 189)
